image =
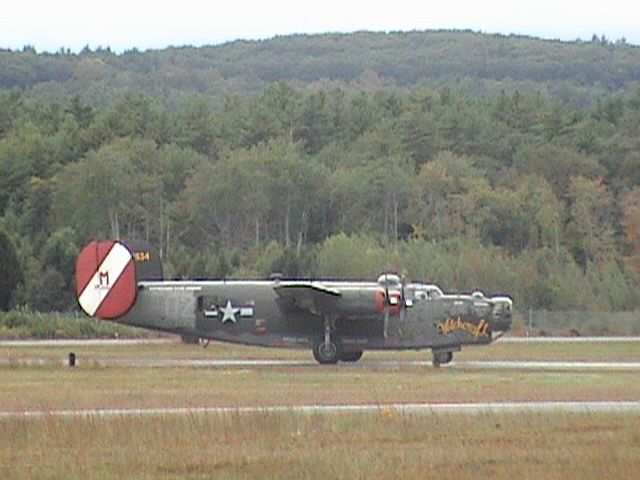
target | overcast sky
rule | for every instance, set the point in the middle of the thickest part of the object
(144, 24)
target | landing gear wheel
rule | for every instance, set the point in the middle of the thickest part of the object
(326, 353)
(351, 356)
(440, 358)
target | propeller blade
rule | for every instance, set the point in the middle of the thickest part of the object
(386, 289)
(386, 321)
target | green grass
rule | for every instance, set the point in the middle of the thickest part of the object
(24, 324)
(86, 387)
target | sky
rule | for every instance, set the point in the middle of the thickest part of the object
(48, 25)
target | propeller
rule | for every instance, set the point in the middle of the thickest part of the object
(403, 304)
(403, 307)
(387, 305)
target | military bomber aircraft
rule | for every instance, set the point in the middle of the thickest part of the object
(337, 320)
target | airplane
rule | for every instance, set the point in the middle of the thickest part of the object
(337, 319)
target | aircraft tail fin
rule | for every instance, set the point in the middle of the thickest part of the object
(107, 276)
(147, 260)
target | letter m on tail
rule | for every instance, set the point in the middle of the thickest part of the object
(104, 279)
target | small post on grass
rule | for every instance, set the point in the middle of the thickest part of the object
(72, 359)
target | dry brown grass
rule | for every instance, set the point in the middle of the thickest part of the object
(53, 386)
(294, 445)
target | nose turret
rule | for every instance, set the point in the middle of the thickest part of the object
(501, 313)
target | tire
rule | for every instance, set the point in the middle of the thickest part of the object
(441, 358)
(351, 356)
(324, 355)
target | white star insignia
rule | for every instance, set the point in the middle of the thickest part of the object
(229, 312)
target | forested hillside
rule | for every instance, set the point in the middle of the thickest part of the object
(336, 155)
(477, 63)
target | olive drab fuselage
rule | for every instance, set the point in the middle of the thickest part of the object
(361, 315)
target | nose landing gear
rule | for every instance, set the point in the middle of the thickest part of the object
(441, 357)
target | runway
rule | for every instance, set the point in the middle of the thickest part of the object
(547, 365)
(95, 342)
(477, 364)
(567, 339)
(391, 408)
(160, 341)
(151, 362)
(363, 364)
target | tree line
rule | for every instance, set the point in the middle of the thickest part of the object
(519, 193)
(479, 64)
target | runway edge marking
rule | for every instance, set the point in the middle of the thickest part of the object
(409, 408)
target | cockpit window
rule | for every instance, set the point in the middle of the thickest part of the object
(435, 292)
(421, 295)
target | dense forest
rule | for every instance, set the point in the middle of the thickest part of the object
(508, 164)
(479, 64)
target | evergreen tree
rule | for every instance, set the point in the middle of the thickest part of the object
(10, 270)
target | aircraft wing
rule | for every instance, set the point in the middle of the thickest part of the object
(312, 296)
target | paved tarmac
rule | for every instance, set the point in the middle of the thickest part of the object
(566, 339)
(87, 342)
(160, 341)
(222, 363)
(546, 365)
(479, 364)
(406, 408)
(264, 363)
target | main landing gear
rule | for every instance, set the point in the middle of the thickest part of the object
(326, 352)
(331, 354)
(329, 351)
(351, 356)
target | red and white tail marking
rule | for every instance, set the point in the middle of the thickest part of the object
(106, 283)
